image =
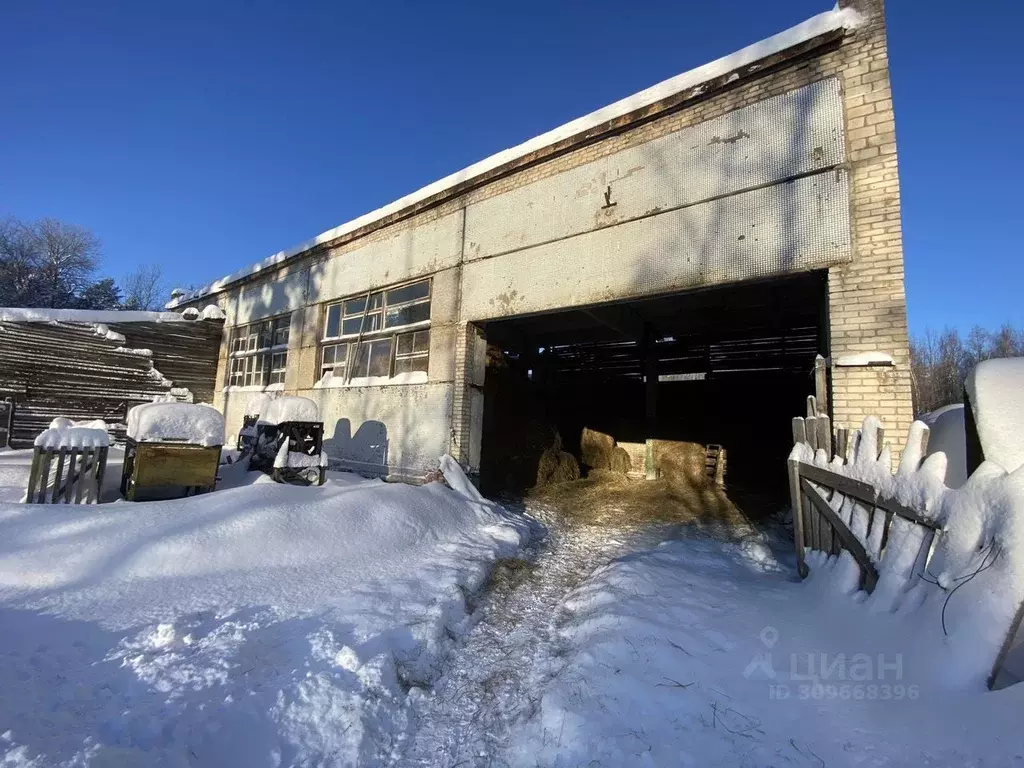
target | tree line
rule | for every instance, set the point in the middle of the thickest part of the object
(940, 362)
(55, 265)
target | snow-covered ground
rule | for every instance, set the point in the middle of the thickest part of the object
(702, 652)
(263, 624)
(356, 624)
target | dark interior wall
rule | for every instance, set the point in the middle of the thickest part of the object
(755, 350)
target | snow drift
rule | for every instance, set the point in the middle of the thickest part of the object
(260, 625)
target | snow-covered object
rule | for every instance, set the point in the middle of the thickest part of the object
(694, 80)
(102, 329)
(259, 625)
(864, 358)
(289, 408)
(258, 404)
(995, 389)
(64, 433)
(105, 316)
(457, 480)
(176, 422)
(949, 437)
(212, 312)
(981, 540)
(191, 313)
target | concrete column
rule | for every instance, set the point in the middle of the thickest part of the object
(468, 395)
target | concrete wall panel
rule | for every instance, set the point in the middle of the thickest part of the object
(372, 428)
(800, 225)
(410, 253)
(267, 298)
(375, 428)
(781, 137)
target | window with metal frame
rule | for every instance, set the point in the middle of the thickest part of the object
(360, 341)
(259, 353)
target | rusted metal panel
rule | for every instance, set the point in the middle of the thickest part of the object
(770, 231)
(774, 140)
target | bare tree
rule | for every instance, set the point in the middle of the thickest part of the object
(18, 267)
(940, 363)
(66, 257)
(144, 289)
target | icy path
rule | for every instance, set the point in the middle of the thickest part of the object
(493, 679)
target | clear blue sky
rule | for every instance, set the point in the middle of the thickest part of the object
(205, 136)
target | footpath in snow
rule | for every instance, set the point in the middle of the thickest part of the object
(493, 678)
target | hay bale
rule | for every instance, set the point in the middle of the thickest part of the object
(556, 465)
(680, 462)
(621, 462)
(596, 449)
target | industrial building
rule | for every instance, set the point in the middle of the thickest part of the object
(670, 266)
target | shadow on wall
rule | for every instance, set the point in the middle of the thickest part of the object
(366, 450)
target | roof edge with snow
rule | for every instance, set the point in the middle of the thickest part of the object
(40, 315)
(694, 80)
(105, 316)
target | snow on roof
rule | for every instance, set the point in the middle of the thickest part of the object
(996, 391)
(829, 21)
(176, 422)
(99, 316)
(289, 408)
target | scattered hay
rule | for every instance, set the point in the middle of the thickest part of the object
(612, 499)
(621, 462)
(556, 465)
(596, 449)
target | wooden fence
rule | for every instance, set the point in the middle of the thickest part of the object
(66, 475)
(823, 501)
(816, 493)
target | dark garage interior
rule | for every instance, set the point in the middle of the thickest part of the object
(729, 366)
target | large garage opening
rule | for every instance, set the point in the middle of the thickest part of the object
(727, 367)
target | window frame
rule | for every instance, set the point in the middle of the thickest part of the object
(258, 352)
(382, 311)
(415, 360)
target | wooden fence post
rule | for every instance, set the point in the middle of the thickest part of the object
(824, 427)
(795, 495)
(821, 385)
(842, 442)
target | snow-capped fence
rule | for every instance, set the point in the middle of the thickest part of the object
(68, 464)
(911, 543)
(824, 503)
